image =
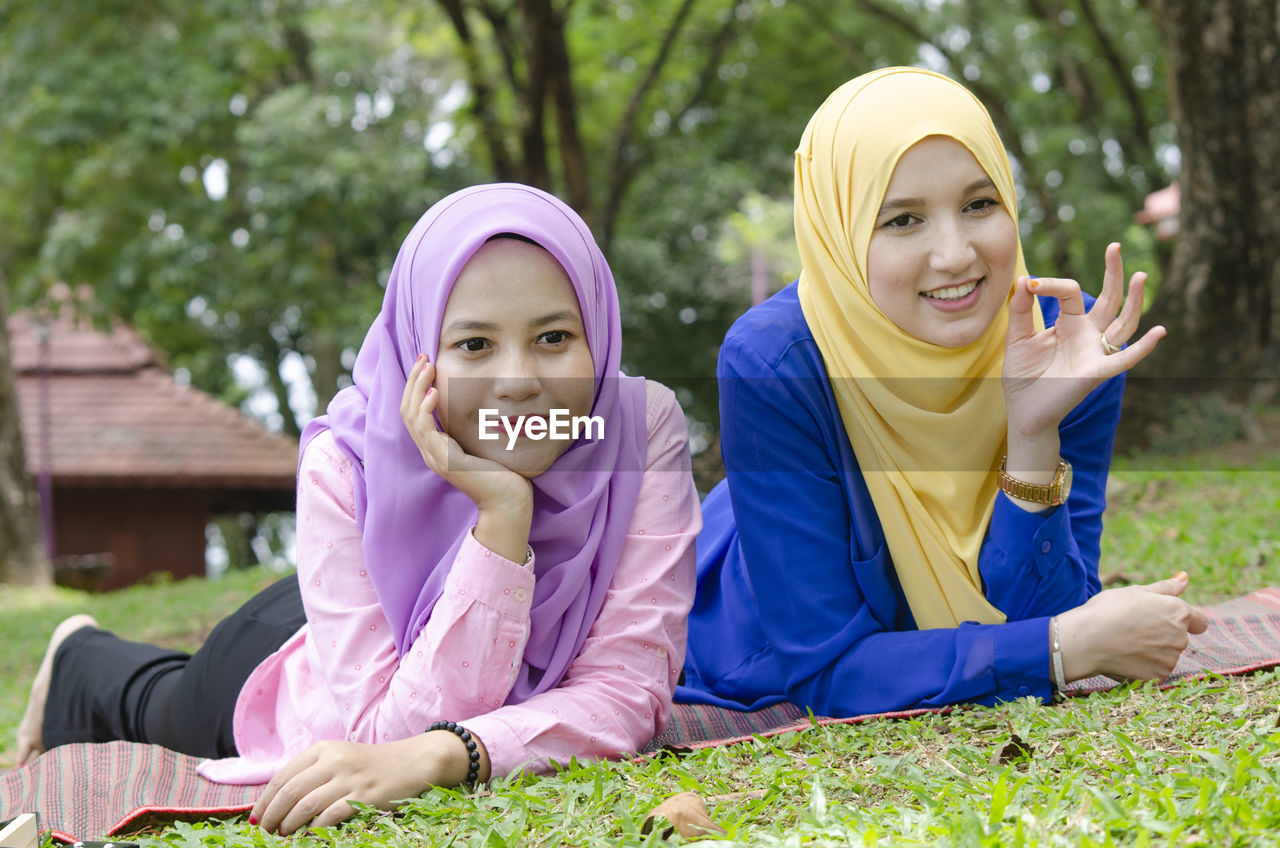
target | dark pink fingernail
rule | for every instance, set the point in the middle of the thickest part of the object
(253, 819)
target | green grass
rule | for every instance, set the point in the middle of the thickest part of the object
(1198, 764)
(1212, 514)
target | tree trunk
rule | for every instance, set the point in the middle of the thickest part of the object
(22, 558)
(1220, 298)
(326, 354)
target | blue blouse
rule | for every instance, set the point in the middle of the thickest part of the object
(797, 596)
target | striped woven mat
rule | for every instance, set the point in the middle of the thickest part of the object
(88, 791)
(1243, 636)
(120, 788)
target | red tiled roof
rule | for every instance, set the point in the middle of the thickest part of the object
(76, 346)
(118, 417)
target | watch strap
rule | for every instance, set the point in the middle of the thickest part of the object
(1050, 493)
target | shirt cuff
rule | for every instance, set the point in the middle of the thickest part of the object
(506, 752)
(492, 579)
(1022, 660)
(1049, 532)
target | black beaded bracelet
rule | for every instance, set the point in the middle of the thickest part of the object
(473, 770)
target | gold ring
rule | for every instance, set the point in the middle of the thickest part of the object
(1107, 347)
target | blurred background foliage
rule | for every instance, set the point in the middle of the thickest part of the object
(234, 177)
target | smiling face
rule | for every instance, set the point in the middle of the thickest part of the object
(942, 254)
(512, 339)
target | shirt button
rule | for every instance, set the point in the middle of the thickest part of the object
(1024, 690)
(1045, 547)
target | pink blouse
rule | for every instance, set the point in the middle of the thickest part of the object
(339, 678)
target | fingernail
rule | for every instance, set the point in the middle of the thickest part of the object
(1034, 284)
(1181, 575)
(253, 819)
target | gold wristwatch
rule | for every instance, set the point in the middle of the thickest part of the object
(1053, 493)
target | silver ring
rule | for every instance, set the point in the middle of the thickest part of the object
(1107, 347)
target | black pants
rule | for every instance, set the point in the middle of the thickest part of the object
(104, 688)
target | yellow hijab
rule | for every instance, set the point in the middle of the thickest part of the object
(929, 448)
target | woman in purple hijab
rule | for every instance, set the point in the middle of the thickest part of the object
(495, 531)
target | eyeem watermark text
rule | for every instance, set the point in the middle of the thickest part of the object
(558, 425)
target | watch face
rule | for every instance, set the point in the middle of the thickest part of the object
(1065, 487)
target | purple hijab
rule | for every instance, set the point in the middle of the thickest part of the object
(412, 521)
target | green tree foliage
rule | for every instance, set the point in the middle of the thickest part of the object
(1076, 89)
(234, 178)
(668, 123)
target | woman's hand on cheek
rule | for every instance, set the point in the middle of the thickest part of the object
(1047, 373)
(503, 498)
(1130, 633)
(483, 480)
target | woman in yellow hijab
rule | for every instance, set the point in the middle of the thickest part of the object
(917, 436)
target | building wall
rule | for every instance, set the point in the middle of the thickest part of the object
(147, 530)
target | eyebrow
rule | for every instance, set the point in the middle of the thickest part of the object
(907, 202)
(465, 326)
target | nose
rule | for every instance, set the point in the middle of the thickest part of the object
(517, 378)
(952, 251)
